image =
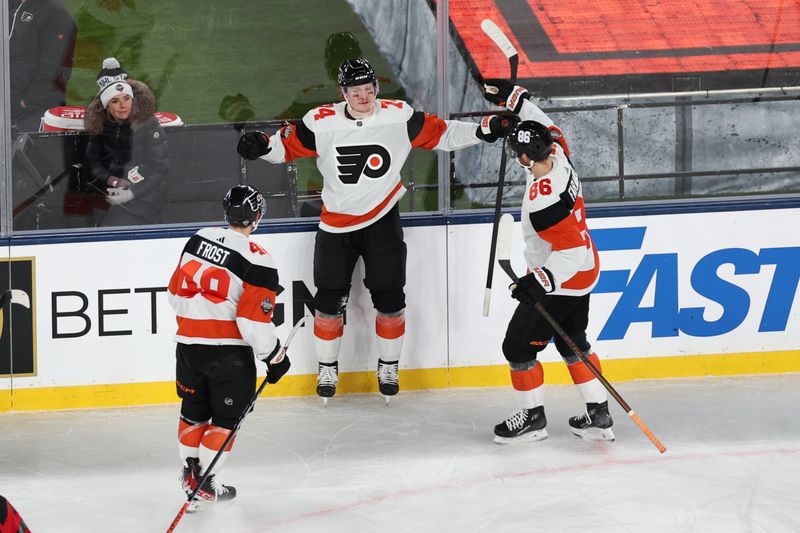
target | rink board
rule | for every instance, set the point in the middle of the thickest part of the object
(679, 295)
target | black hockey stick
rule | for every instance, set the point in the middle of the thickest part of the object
(202, 480)
(499, 38)
(504, 259)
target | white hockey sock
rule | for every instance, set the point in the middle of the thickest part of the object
(529, 385)
(328, 331)
(391, 331)
(589, 386)
(190, 433)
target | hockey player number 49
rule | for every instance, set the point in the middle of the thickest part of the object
(214, 282)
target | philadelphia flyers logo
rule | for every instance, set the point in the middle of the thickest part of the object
(371, 160)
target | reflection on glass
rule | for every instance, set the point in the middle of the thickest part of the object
(41, 45)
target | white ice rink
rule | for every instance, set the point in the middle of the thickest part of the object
(427, 463)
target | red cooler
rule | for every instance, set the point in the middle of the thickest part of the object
(70, 118)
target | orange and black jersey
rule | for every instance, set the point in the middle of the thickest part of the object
(360, 159)
(554, 219)
(223, 291)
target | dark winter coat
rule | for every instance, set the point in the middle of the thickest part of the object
(116, 148)
(40, 59)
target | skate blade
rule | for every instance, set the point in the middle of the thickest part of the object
(325, 402)
(539, 434)
(594, 434)
(387, 399)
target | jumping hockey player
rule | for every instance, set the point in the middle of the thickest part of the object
(223, 293)
(360, 145)
(563, 269)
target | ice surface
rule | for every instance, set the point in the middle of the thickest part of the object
(427, 463)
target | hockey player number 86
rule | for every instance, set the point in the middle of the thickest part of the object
(214, 282)
(523, 136)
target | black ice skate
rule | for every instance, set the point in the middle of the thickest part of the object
(595, 424)
(188, 481)
(523, 426)
(327, 379)
(213, 491)
(387, 378)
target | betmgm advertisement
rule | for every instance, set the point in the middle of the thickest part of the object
(17, 317)
(698, 294)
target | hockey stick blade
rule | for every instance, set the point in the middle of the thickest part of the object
(499, 38)
(504, 231)
(16, 296)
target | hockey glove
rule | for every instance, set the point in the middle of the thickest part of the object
(494, 127)
(277, 363)
(505, 94)
(253, 145)
(533, 287)
(119, 196)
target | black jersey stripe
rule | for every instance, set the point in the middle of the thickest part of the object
(262, 276)
(238, 265)
(552, 215)
(415, 125)
(306, 136)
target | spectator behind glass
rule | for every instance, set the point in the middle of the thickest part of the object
(127, 151)
(41, 42)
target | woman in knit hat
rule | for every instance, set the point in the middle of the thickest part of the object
(127, 151)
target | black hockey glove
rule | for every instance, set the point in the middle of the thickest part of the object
(253, 145)
(504, 93)
(494, 127)
(533, 287)
(276, 368)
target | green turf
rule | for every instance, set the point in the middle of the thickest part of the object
(266, 57)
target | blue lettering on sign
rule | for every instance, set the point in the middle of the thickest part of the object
(666, 317)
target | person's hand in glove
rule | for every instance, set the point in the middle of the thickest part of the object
(495, 127)
(119, 196)
(505, 94)
(253, 145)
(277, 363)
(533, 287)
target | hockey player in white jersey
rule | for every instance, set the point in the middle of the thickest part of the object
(563, 269)
(361, 145)
(223, 293)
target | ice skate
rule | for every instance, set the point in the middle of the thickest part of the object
(188, 481)
(388, 378)
(214, 491)
(523, 426)
(327, 379)
(594, 424)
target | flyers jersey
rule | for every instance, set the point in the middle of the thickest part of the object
(554, 219)
(223, 291)
(360, 159)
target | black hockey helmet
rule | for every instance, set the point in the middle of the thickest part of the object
(530, 138)
(355, 71)
(244, 206)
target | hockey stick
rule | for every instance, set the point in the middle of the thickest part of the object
(499, 38)
(504, 259)
(191, 496)
(15, 296)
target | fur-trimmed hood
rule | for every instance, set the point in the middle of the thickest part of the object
(144, 105)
